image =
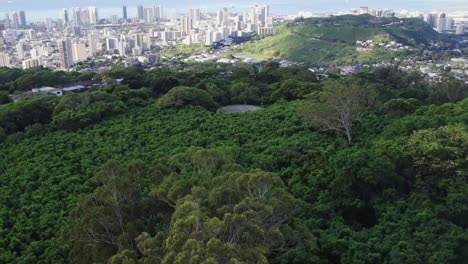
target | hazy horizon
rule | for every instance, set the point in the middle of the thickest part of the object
(40, 10)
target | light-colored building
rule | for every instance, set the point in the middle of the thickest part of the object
(4, 59)
(79, 52)
(93, 15)
(66, 55)
(31, 63)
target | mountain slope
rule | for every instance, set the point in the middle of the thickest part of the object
(325, 41)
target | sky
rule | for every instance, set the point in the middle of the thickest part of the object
(37, 9)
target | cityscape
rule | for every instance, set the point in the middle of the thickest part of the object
(80, 34)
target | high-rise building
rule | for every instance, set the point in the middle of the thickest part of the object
(49, 23)
(7, 20)
(4, 59)
(195, 15)
(460, 29)
(16, 21)
(430, 19)
(85, 17)
(209, 37)
(219, 17)
(149, 15)
(20, 49)
(441, 23)
(79, 52)
(124, 12)
(158, 12)
(93, 15)
(174, 17)
(141, 12)
(64, 16)
(66, 55)
(22, 19)
(76, 13)
(93, 40)
(186, 25)
(449, 23)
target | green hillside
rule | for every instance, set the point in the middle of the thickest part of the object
(326, 41)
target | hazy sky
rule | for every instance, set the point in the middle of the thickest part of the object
(277, 6)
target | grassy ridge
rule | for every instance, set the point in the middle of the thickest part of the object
(325, 41)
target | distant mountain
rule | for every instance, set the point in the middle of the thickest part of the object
(325, 41)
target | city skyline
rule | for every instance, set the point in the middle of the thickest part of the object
(108, 8)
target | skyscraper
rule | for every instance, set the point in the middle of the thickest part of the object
(186, 26)
(66, 55)
(93, 15)
(173, 17)
(460, 30)
(219, 17)
(441, 23)
(149, 15)
(124, 12)
(19, 19)
(76, 13)
(7, 21)
(22, 17)
(93, 40)
(158, 12)
(430, 19)
(64, 16)
(141, 12)
(195, 15)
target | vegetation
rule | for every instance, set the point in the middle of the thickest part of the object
(146, 172)
(330, 41)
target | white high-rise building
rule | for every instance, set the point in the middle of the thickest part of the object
(20, 50)
(186, 26)
(93, 15)
(4, 59)
(93, 41)
(174, 17)
(158, 12)
(148, 15)
(76, 13)
(209, 37)
(460, 29)
(79, 52)
(219, 17)
(195, 15)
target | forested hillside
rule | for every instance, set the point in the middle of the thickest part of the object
(368, 168)
(331, 41)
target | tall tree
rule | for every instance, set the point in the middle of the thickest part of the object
(338, 107)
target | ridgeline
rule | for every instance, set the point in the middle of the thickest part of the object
(326, 41)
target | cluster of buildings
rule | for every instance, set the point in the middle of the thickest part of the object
(443, 23)
(368, 45)
(78, 34)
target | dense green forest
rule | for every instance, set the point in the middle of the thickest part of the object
(368, 168)
(330, 41)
